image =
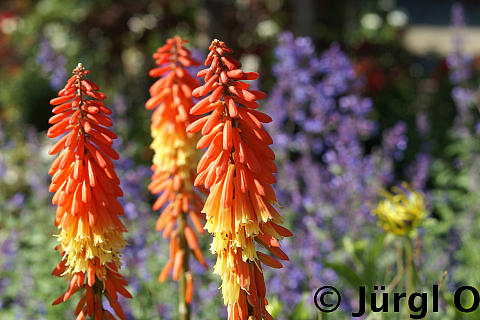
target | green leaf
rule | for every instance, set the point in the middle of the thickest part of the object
(347, 273)
(370, 271)
(301, 311)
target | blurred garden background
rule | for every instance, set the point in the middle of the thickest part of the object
(364, 95)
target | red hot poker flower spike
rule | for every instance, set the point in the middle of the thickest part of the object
(86, 190)
(174, 161)
(238, 168)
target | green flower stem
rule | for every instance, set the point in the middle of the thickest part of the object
(409, 280)
(183, 306)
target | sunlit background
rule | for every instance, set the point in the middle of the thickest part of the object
(364, 95)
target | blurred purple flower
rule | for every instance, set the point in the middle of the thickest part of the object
(16, 200)
(133, 179)
(52, 63)
(326, 177)
(395, 141)
(418, 171)
(460, 65)
(164, 311)
(457, 61)
(8, 250)
(422, 123)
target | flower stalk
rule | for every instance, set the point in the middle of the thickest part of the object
(184, 301)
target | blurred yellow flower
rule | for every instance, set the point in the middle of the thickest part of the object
(401, 211)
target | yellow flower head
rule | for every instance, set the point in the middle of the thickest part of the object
(401, 211)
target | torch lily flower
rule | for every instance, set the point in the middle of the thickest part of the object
(174, 163)
(86, 190)
(238, 167)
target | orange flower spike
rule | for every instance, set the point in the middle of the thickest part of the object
(238, 169)
(174, 158)
(86, 190)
